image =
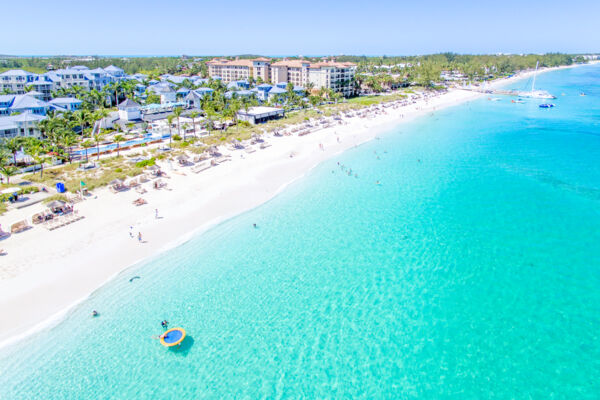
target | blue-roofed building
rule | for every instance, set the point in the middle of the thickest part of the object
(115, 72)
(263, 91)
(239, 93)
(174, 78)
(275, 92)
(98, 78)
(24, 125)
(139, 89)
(199, 81)
(182, 92)
(139, 77)
(6, 101)
(165, 90)
(281, 85)
(23, 103)
(69, 77)
(299, 90)
(43, 85)
(235, 85)
(194, 98)
(68, 103)
(16, 80)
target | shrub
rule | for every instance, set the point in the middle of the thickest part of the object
(60, 197)
(25, 190)
(176, 137)
(145, 163)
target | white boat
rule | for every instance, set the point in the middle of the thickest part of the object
(536, 94)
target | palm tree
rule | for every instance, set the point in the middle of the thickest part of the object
(96, 97)
(8, 171)
(170, 121)
(118, 139)
(98, 136)
(68, 140)
(37, 151)
(81, 116)
(13, 145)
(86, 145)
(177, 114)
(193, 116)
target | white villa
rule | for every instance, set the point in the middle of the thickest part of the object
(129, 110)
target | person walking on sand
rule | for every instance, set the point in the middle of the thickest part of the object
(140, 237)
(156, 213)
(131, 231)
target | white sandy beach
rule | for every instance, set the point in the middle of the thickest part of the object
(47, 272)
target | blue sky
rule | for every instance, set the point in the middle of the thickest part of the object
(305, 27)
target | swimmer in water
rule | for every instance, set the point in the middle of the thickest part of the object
(94, 313)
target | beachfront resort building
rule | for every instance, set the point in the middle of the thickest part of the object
(23, 103)
(16, 80)
(23, 125)
(333, 75)
(236, 70)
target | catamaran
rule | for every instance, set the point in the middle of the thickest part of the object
(536, 94)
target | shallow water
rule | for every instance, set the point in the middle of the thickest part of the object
(471, 271)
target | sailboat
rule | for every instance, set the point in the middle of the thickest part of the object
(536, 94)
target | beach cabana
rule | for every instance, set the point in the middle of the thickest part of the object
(59, 207)
(3, 234)
(117, 185)
(155, 170)
(42, 217)
(20, 226)
(183, 160)
(172, 337)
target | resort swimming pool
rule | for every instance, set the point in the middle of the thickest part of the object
(113, 146)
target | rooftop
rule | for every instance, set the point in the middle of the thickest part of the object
(261, 110)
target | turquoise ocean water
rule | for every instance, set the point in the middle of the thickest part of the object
(471, 272)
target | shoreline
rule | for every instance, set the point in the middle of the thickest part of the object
(58, 270)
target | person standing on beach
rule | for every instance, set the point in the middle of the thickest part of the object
(140, 237)
(131, 231)
(156, 213)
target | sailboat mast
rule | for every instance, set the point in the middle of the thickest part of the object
(534, 75)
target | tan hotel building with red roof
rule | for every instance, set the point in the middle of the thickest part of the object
(333, 75)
